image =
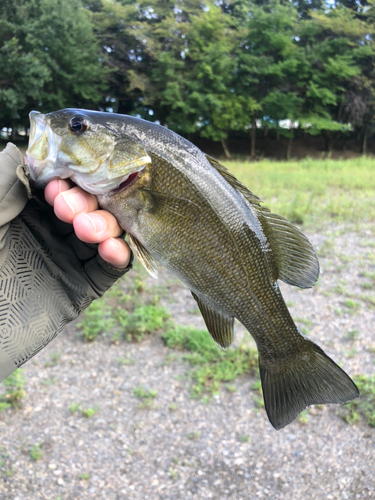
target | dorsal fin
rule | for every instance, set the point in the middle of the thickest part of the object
(294, 255)
(233, 181)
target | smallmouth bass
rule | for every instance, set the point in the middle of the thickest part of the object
(184, 209)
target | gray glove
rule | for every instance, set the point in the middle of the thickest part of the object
(47, 275)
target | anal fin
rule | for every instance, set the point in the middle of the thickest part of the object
(219, 325)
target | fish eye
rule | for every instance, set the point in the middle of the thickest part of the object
(78, 125)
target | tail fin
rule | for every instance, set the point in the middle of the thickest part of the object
(311, 377)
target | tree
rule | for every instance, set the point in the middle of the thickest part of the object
(48, 58)
(268, 61)
(333, 42)
(359, 108)
(145, 44)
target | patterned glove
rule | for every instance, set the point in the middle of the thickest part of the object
(47, 275)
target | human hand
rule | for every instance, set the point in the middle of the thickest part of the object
(49, 273)
(73, 205)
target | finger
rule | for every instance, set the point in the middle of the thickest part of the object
(96, 227)
(115, 251)
(68, 204)
(54, 188)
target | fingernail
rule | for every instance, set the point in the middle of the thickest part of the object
(75, 201)
(98, 222)
(60, 186)
(116, 245)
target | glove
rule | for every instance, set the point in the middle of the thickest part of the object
(47, 275)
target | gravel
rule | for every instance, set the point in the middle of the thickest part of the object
(182, 448)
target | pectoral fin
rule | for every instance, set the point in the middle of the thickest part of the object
(220, 326)
(160, 202)
(143, 255)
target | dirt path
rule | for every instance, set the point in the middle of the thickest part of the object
(180, 447)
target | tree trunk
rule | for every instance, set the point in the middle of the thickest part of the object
(225, 147)
(252, 138)
(290, 141)
(265, 132)
(328, 141)
(364, 143)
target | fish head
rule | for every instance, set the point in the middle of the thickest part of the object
(86, 146)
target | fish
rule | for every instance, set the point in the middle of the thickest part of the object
(185, 210)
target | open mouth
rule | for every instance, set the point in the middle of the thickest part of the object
(129, 181)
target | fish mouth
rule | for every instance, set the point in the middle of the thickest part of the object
(126, 183)
(42, 152)
(46, 161)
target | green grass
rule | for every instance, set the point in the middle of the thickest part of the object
(364, 406)
(212, 366)
(313, 191)
(145, 395)
(352, 334)
(54, 358)
(14, 391)
(129, 310)
(96, 319)
(85, 475)
(35, 452)
(194, 435)
(85, 412)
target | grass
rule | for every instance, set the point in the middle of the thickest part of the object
(212, 366)
(85, 412)
(194, 435)
(313, 191)
(145, 395)
(14, 391)
(128, 311)
(362, 408)
(245, 438)
(54, 358)
(35, 452)
(352, 334)
(85, 475)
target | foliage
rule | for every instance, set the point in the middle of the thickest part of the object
(127, 311)
(36, 452)
(96, 319)
(211, 364)
(204, 68)
(14, 391)
(364, 406)
(85, 412)
(145, 395)
(48, 58)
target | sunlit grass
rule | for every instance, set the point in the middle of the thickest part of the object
(211, 365)
(312, 192)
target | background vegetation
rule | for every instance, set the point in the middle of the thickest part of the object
(206, 69)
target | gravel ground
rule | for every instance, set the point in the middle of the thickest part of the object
(223, 449)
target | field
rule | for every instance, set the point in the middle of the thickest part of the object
(134, 400)
(313, 192)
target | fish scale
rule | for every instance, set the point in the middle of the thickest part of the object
(185, 210)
